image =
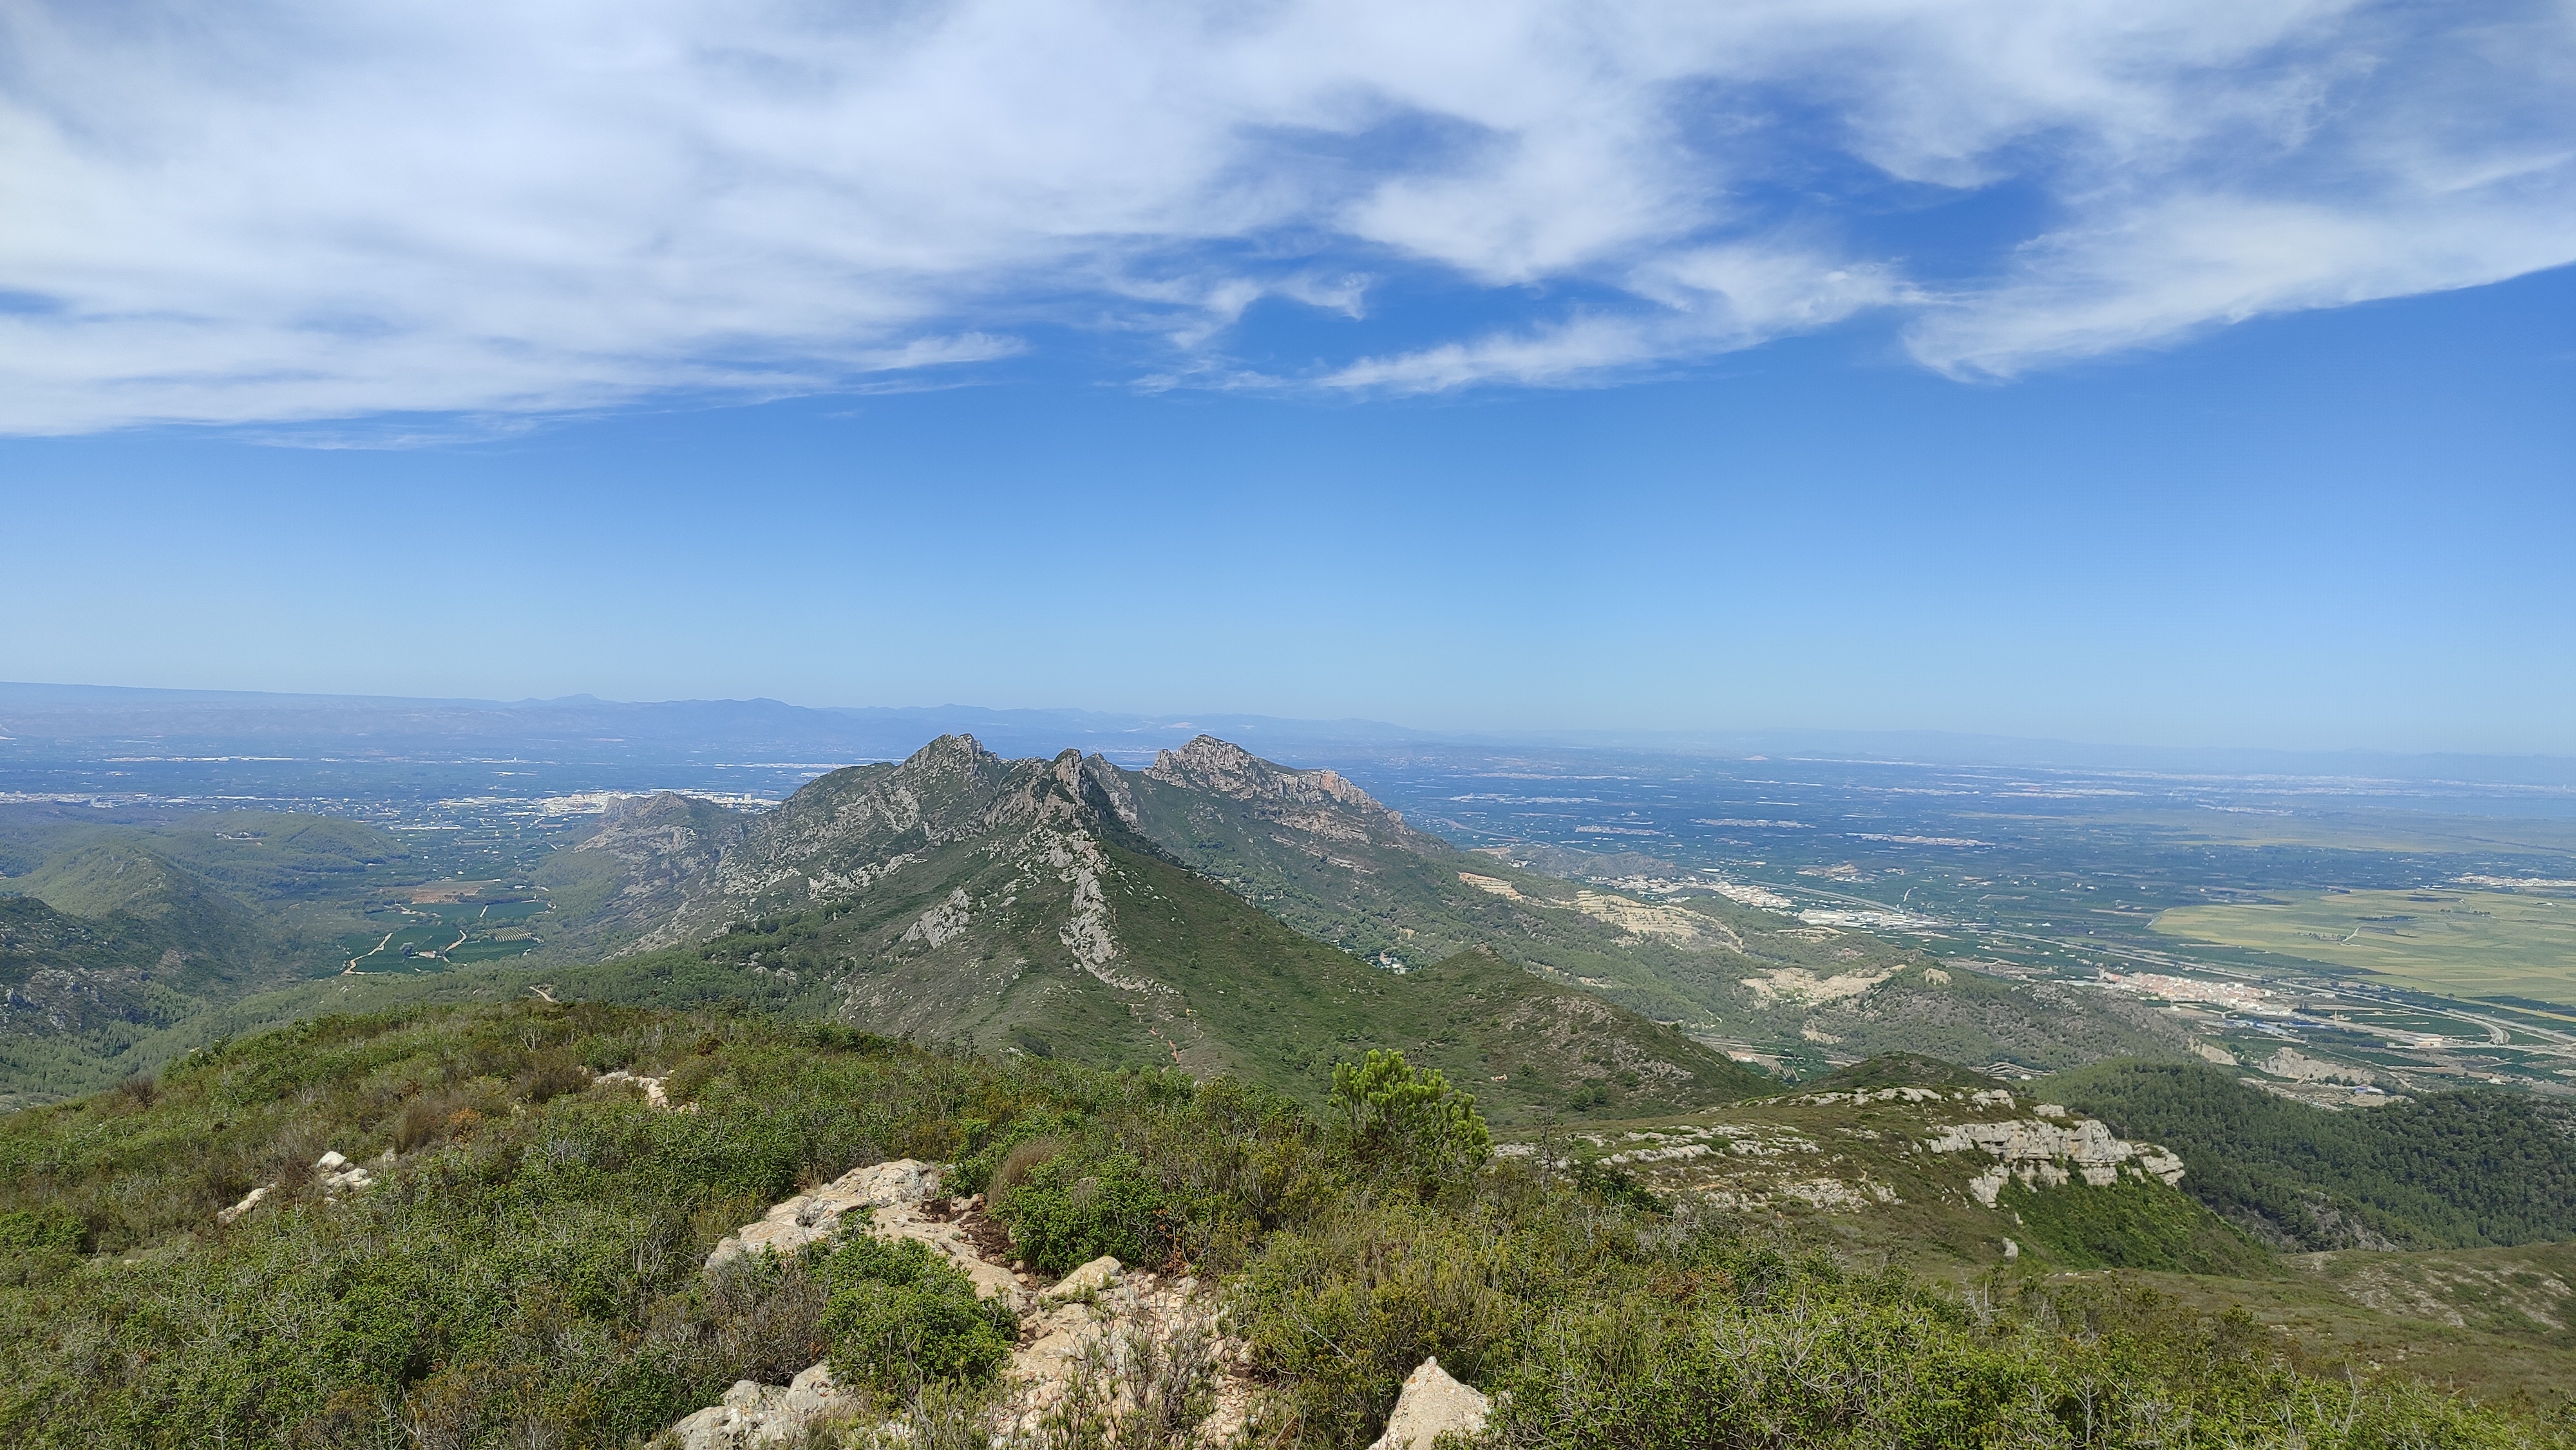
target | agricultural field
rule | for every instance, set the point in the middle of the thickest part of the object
(2460, 943)
(430, 929)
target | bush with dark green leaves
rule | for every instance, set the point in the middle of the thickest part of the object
(1406, 1123)
(900, 1316)
(1078, 1205)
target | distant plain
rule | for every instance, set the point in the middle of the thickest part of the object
(2463, 943)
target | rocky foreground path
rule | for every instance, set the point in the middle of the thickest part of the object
(1103, 1335)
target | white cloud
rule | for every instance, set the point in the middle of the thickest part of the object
(291, 210)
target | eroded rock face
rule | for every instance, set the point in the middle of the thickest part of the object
(1098, 1327)
(752, 1414)
(896, 1194)
(1432, 1405)
(2046, 1154)
(1221, 768)
(651, 1087)
(1318, 804)
(2300, 1067)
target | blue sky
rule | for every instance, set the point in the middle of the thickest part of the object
(2181, 375)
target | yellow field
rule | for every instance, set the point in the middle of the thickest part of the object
(2463, 943)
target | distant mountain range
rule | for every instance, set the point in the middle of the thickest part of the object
(1037, 906)
(1214, 909)
(39, 719)
(1070, 903)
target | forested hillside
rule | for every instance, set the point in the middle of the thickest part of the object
(2452, 1170)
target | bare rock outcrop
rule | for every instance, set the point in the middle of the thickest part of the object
(333, 1171)
(1090, 1344)
(650, 1087)
(752, 1415)
(1085, 1282)
(902, 1201)
(1320, 803)
(1432, 1405)
(339, 1175)
(2046, 1154)
(249, 1201)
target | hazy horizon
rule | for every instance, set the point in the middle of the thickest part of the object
(25, 697)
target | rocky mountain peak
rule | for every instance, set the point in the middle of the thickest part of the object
(948, 755)
(663, 824)
(1221, 768)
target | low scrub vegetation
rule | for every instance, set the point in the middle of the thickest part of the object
(527, 1269)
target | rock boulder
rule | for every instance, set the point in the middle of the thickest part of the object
(1432, 1405)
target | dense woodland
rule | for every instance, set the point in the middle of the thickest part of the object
(2451, 1170)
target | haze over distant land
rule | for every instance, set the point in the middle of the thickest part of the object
(42, 721)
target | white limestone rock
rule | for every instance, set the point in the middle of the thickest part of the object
(339, 1175)
(1432, 1405)
(2048, 1154)
(249, 1202)
(1083, 1283)
(752, 1415)
(811, 1216)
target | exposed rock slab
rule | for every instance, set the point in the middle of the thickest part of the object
(249, 1201)
(2039, 1153)
(1084, 1282)
(651, 1087)
(1432, 1405)
(902, 1201)
(752, 1414)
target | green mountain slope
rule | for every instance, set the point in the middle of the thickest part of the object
(110, 943)
(149, 925)
(625, 879)
(1915, 1160)
(117, 874)
(1317, 853)
(79, 995)
(1015, 905)
(2454, 1170)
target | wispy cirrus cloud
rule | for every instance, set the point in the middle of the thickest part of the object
(289, 210)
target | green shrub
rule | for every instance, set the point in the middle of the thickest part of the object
(1406, 1123)
(899, 1317)
(1080, 1204)
(43, 1231)
(2131, 1225)
(1871, 1363)
(1340, 1312)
